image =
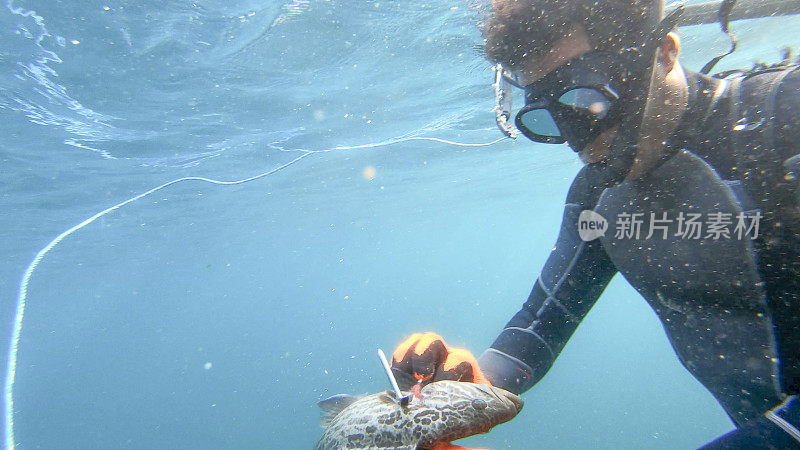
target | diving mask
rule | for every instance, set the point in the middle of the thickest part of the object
(576, 102)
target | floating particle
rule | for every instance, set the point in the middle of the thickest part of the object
(369, 173)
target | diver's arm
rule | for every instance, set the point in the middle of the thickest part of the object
(574, 276)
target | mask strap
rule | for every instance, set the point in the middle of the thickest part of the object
(724, 16)
(641, 56)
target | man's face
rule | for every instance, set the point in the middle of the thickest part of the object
(575, 44)
(666, 99)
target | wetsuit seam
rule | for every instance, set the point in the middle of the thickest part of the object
(535, 334)
(551, 296)
(784, 425)
(516, 360)
(557, 286)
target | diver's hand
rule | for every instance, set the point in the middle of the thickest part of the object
(425, 358)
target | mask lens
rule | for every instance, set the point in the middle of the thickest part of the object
(540, 122)
(587, 100)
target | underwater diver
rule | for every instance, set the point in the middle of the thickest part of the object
(706, 168)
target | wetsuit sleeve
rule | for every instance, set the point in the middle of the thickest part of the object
(574, 276)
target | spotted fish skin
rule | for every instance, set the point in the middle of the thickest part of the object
(448, 410)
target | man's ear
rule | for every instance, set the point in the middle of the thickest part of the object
(669, 49)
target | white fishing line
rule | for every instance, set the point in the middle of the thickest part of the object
(22, 295)
(459, 144)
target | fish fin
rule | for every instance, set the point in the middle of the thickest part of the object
(449, 446)
(332, 406)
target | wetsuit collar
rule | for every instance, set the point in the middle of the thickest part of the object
(705, 99)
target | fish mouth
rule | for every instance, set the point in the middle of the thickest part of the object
(509, 399)
(513, 399)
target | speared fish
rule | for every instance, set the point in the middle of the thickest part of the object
(428, 417)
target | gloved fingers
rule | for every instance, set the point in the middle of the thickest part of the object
(425, 357)
(418, 343)
(461, 365)
(417, 358)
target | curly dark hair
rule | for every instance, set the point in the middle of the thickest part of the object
(519, 28)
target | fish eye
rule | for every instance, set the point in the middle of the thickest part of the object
(479, 404)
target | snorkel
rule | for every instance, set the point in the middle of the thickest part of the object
(502, 97)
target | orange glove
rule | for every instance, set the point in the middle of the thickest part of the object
(425, 358)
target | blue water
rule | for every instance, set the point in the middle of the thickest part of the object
(215, 316)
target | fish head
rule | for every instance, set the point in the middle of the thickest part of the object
(454, 409)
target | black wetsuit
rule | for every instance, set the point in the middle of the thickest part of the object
(730, 304)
